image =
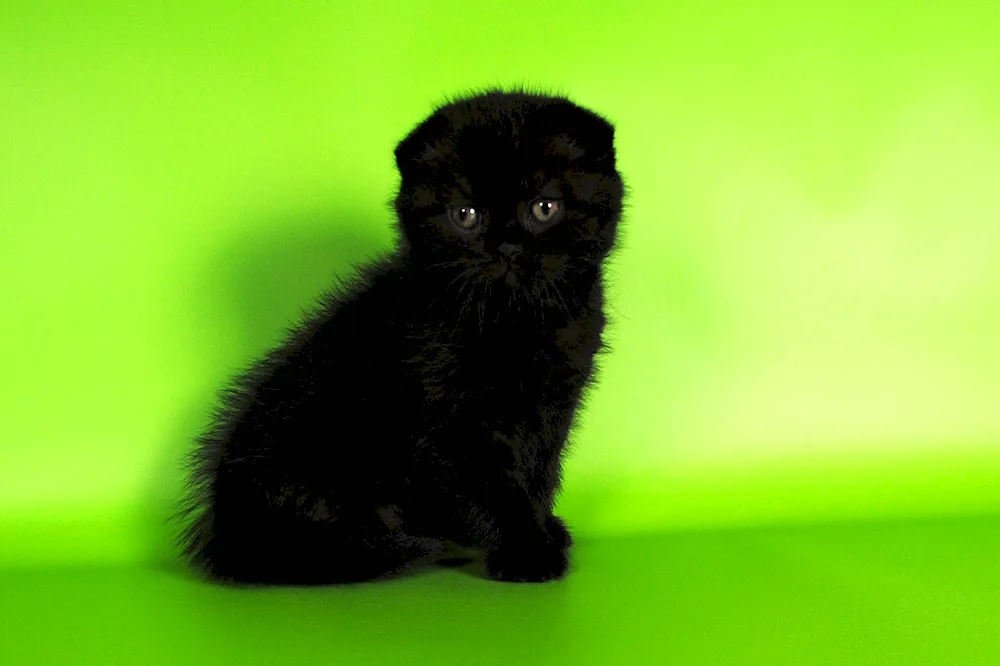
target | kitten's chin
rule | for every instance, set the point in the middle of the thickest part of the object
(506, 273)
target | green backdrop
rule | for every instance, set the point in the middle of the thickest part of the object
(806, 303)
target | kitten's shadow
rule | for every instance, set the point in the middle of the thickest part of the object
(242, 303)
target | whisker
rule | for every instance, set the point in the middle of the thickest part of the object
(465, 304)
(548, 293)
(481, 305)
(562, 300)
(455, 279)
(489, 295)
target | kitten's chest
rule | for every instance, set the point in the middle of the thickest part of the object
(494, 365)
(513, 362)
(508, 359)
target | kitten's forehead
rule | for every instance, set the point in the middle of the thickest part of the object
(505, 123)
(502, 122)
(510, 111)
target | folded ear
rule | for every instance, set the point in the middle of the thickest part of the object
(421, 146)
(579, 135)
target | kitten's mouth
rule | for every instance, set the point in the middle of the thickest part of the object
(506, 272)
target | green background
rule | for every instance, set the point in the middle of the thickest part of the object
(806, 318)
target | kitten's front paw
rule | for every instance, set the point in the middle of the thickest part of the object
(556, 529)
(528, 563)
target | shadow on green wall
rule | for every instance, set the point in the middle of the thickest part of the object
(261, 283)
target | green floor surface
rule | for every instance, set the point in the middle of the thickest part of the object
(923, 592)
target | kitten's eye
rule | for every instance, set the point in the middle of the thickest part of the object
(464, 216)
(545, 210)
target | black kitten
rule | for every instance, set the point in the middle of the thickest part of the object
(425, 407)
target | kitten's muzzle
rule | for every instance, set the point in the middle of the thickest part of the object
(510, 250)
(505, 268)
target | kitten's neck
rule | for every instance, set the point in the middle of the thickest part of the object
(481, 307)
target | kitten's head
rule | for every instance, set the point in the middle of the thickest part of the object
(510, 188)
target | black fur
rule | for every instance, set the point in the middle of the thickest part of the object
(425, 407)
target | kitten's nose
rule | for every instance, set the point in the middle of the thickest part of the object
(510, 249)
